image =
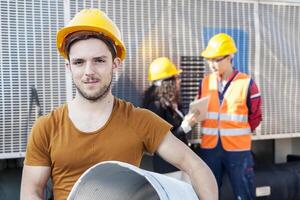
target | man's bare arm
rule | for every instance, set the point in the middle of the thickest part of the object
(34, 180)
(178, 154)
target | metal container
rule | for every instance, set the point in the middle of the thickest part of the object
(113, 180)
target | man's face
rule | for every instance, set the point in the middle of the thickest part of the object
(92, 68)
(219, 65)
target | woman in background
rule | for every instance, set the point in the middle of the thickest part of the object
(163, 98)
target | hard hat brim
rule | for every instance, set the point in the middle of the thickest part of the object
(209, 55)
(163, 76)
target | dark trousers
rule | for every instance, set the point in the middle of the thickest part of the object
(238, 165)
(161, 166)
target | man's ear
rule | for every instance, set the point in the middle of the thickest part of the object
(116, 64)
(67, 65)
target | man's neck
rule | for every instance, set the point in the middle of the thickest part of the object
(89, 116)
(84, 105)
(226, 74)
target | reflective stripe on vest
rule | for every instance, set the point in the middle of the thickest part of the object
(229, 120)
(228, 117)
(232, 131)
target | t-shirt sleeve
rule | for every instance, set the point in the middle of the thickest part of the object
(151, 129)
(37, 153)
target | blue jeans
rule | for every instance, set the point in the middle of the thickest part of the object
(238, 165)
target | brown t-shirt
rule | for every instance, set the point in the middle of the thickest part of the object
(56, 142)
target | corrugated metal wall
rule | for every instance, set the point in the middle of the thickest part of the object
(266, 33)
(28, 57)
(279, 69)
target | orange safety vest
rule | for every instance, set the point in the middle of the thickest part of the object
(229, 120)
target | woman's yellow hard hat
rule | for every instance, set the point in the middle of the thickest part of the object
(162, 68)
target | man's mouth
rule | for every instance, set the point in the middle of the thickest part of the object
(91, 82)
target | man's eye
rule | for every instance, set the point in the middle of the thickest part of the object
(78, 62)
(99, 60)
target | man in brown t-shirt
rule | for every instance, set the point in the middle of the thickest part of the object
(96, 126)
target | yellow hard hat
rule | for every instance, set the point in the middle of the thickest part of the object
(91, 20)
(162, 68)
(219, 45)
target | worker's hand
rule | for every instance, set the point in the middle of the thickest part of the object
(192, 118)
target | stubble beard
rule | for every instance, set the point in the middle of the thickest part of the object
(102, 93)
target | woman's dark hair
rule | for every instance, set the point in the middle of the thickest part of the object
(166, 93)
(151, 94)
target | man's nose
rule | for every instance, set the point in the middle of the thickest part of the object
(89, 68)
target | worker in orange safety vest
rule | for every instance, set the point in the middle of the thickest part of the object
(234, 111)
